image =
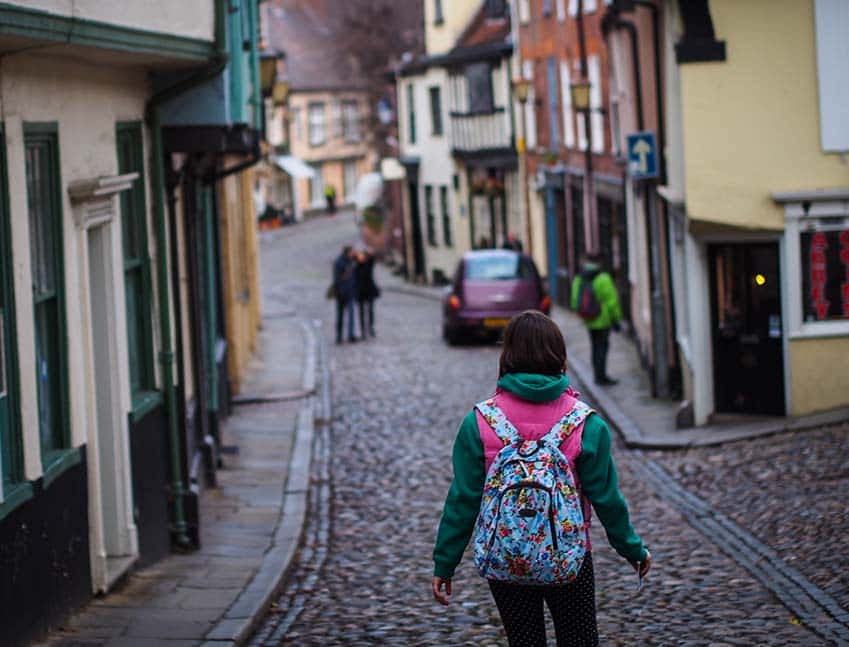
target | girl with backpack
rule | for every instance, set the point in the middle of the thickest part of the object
(528, 464)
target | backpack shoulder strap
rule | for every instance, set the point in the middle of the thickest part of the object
(496, 419)
(567, 424)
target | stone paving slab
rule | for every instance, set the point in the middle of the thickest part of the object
(185, 599)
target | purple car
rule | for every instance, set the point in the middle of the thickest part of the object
(489, 287)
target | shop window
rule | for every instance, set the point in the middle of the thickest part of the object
(824, 261)
(816, 258)
(44, 200)
(137, 286)
(430, 216)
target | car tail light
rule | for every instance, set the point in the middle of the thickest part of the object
(545, 304)
(454, 302)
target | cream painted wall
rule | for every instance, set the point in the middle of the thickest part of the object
(335, 146)
(86, 102)
(456, 13)
(436, 166)
(187, 18)
(811, 361)
(751, 123)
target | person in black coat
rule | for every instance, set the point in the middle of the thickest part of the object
(367, 291)
(345, 289)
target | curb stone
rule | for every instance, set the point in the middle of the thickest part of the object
(244, 615)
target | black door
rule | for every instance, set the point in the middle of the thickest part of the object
(415, 221)
(746, 314)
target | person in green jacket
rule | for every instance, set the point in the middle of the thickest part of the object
(330, 196)
(609, 316)
(532, 388)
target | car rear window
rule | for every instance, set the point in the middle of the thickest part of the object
(498, 268)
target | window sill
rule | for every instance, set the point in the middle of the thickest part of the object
(143, 403)
(823, 330)
(18, 494)
(57, 462)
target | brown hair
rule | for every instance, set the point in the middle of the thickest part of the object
(532, 344)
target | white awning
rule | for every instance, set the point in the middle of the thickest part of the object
(294, 166)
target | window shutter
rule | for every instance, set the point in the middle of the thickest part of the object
(530, 106)
(568, 122)
(524, 11)
(832, 27)
(596, 118)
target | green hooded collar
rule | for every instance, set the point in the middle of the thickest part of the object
(533, 386)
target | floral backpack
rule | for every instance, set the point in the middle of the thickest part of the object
(531, 529)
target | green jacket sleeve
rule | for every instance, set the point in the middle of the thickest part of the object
(464, 499)
(600, 485)
(605, 290)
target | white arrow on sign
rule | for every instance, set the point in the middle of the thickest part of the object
(642, 149)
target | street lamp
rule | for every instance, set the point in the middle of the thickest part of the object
(521, 88)
(580, 93)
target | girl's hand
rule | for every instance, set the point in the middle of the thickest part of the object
(438, 584)
(643, 567)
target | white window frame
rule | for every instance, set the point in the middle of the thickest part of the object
(596, 116)
(530, 106)
(351, 121)
(589, 7)
(568, 113)
(524, 11)
(316, 124)
(831, 20)
(561, 10)
(796, 221)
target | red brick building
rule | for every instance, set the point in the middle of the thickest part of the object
(574, 168)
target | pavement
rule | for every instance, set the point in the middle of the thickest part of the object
(251, 524)
(643, 421)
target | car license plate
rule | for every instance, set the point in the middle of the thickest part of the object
(496, 322)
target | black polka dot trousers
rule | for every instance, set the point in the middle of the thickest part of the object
(572, 608)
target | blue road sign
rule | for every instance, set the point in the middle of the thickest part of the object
(642, 155)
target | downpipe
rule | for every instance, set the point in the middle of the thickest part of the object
(179, 527)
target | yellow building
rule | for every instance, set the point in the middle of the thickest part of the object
(758, 193)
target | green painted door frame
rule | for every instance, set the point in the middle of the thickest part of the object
(11, 466)
(44, 197)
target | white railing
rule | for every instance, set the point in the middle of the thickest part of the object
(471, 132)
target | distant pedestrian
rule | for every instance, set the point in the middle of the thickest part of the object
(367, 291)
(528, 464)
(330, 196)
(595, 299)
(345, 291)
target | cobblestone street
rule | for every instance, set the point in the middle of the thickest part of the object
(382, 468)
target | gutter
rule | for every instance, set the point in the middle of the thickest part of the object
(158, 190)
